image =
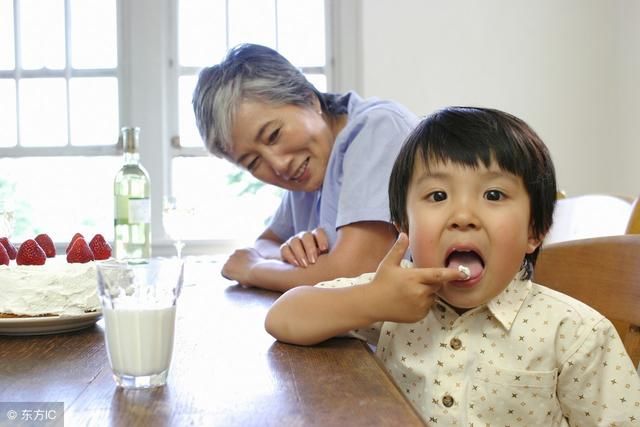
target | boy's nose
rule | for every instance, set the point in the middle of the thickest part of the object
(463, 217)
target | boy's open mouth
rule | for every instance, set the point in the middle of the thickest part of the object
(467, 257)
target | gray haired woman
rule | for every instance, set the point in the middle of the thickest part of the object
(333, 154)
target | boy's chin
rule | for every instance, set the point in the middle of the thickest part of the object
(458, 308)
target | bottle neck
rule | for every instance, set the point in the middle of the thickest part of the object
(131, 158)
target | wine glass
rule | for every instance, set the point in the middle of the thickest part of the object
(7, 216)
(176, 219)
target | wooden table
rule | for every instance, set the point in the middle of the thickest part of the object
(226, 371)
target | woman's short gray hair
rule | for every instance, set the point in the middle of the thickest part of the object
(248, 72)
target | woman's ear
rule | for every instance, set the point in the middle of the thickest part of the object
(315, 104)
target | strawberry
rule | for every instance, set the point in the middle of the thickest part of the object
(73, 239)
(11, 250)
(46, 244)
(4, 256)
(101, 249)
(80, 252)
(30, 253)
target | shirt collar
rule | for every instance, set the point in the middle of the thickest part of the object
(506, 305)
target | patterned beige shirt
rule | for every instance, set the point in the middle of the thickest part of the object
(531, 356)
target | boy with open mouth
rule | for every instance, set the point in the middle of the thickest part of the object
(464, 332)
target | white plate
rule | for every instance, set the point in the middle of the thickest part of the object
(47, 325)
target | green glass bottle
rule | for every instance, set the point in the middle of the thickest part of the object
(132, 203)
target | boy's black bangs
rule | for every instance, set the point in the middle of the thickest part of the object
(469, 147)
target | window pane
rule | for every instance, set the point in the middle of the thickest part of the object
(189, 136)
(42, 32)
(301, 32)
(225, 209)
(252, 21)
(94, 111)
(8, 122)
(43, 112)
(93, 34)
(202, 30)
(65, 196)
(318, 80)
(6, 35)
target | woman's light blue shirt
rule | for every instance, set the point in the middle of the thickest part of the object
(356, 181)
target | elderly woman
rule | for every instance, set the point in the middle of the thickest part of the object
(332, 153)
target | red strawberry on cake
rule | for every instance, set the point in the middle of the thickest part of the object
(30, 253)
(73, 239)
(11, 250)
(4, 256)
(100, 248)
(79, 252)
(46, 244)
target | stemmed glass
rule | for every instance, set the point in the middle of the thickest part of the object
(176, 219)
(7, 218)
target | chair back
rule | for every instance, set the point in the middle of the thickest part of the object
(592, 215)
(633, 226)
(602, 272)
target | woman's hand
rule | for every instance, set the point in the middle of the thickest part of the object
(238, 266)
(304, 248)
(405, 295)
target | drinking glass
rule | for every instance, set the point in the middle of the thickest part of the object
(177, 219)
(139, 306)
(7, 216)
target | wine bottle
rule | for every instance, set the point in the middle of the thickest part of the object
(132, 203)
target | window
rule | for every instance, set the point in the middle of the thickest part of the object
(206, 30)
(72, 72)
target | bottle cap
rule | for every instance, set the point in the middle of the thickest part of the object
(130, 139)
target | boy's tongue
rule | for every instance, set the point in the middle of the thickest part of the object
(469, 259)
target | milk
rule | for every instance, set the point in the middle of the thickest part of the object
(139, 340)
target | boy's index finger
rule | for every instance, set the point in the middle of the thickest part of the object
(396, 253)
(439, 275)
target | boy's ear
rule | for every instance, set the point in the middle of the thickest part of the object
(533, 242)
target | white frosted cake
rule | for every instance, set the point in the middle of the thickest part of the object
(56, 288)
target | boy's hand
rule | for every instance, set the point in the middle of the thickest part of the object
(304, 248)
(405, 295)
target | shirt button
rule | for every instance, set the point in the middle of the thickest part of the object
(455, 343)
(441, 307)
(447, 401)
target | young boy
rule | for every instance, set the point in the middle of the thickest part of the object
(468, 338)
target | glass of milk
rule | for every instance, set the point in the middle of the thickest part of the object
(139, 308)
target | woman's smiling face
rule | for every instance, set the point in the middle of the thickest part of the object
(284, 145)
(476, 216)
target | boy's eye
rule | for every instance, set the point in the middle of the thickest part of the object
(437, 196)
(494, 195)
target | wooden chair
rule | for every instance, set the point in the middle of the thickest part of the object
(604, 273)
(633, 226)
(592, 215)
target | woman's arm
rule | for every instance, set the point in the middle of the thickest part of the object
(359, 248)
(268, 245)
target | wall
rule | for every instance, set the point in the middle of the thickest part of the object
(571, 69)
